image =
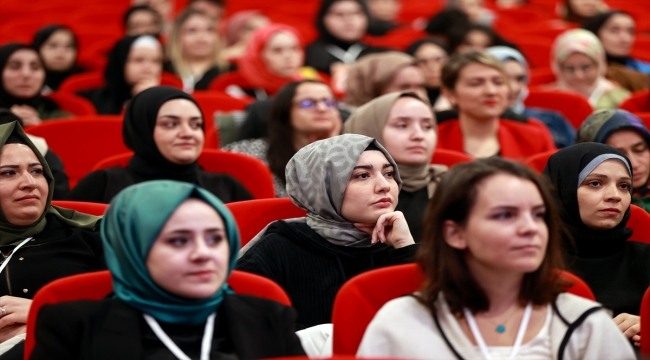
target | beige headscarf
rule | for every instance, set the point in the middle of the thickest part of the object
(370, 119)
(370, 75)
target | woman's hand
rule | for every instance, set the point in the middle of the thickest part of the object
(630, 325)
(17, 310)
(27, 114)
(391, 229)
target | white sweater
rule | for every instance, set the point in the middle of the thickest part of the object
(404, 328)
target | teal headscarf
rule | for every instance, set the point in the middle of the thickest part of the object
(131, 225)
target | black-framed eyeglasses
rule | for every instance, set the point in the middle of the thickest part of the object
(330, 103)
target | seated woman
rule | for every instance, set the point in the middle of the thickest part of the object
(383, 16)
(348, 185)
(273, 58)
(62, 242)
(475, 10)
(193, 49)
(616, 31)
(134, 64)
(578, 11)
(474, 37)
(142, 20)
(170, 248)
(21, 79)
(516, 68)
(238, 30)
(626, 133)
(378, 74)
(477, 85)
(430, 55)
(57, 47)
(303, 112)
(341, 24)
(490, 256)
(406, 126)
(164, 127)
(593, 183)
(578, 61)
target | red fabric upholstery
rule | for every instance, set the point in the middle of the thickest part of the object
(537, 51)
(253, 215)
(71, 103)
(211, 102)
(95, 79)
(449, 157)
(361, 297)
(640, 224)
(538, 162)
(82, 142)
(574, 107)
(84, 207)
(96, 285)
(645, 324)
(639, 101)
(249, 171)
(221, 82)
(541, 76)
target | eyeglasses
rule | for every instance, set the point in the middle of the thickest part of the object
(585, 68)
(433, 60)
(330, 103)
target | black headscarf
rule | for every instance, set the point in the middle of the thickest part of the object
(53, 79)
(7, 100)
(139, 124)
(565, 169)
(596, 22)
(325, 36)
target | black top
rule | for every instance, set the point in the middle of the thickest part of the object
(246, 327)
(58, 251)
(317, 56)
(204, 82)
(312, 270)
(102, 185)
(413, 205)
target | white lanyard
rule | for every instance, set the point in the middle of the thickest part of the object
(345, 56)
(206, 343)
(6, 261)
(520, 333)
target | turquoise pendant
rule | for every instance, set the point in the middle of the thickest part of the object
(501, 329)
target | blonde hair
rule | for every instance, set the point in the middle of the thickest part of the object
(457, 62)
(175, 47)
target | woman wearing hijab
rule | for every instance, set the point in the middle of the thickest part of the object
(21, 80)
(406, 126)
(578, 61)
(616, 31)
(348, 185)
(238, 31)
(626, 133)
(134, 64)
(273, 58)
(194, 50)
(341, 25)
(164, 127)
(57, 46)
(490, 257)
(383, 73)
(593, 184)
(170, 248)
(518, 73)
(303, 112)
(430, 55)
(38, 241)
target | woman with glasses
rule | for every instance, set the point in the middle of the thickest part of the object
(578, 60)
(430, 55)
(302, 112)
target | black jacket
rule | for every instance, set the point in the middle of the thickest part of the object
(56, 252)
(246, 326)
(312, 270)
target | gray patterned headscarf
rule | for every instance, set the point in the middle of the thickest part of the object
(316, 180)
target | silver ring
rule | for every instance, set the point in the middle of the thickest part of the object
(4, 312)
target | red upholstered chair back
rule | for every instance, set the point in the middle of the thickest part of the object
(538, 162)
(253, 215)
(95, 79)
(72, 103)
(96, 285)
(361, 297)
(541, 76)
(84, 207)
(640, 224)
(449, 157)
(211, 102)
(249, 171)
(82, 141)
(221, 82)
(645, 324)
(639, 101)
(574, 107)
